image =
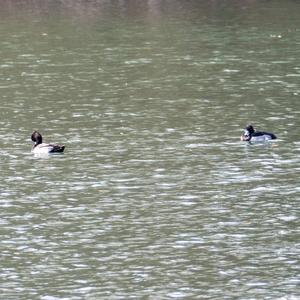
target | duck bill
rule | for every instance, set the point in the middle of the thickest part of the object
(246, 135)
(245, 138)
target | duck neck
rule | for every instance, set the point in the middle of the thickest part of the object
(38, 141)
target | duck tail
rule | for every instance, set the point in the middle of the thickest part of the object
(58, 149)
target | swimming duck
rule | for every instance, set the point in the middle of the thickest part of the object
(42, 148)
(256, 136)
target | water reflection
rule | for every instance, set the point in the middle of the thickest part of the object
(148, 9)
(225, 13)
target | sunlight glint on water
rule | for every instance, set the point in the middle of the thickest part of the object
(155, 195)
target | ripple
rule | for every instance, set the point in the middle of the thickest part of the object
(155, 194)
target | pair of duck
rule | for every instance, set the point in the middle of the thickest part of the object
(249, 135)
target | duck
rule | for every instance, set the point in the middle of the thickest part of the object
(42, 148)
(250, 135)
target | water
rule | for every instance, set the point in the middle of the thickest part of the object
(155, 196)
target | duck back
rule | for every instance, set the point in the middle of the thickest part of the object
(262, 136)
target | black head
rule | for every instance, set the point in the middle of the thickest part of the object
(36, 137)
(250, 129)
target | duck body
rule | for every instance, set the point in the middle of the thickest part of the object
(43, 148)
(250, 135)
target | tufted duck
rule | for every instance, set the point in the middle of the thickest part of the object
(42, 148)
(256, 136)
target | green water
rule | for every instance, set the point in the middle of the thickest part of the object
(155, 196)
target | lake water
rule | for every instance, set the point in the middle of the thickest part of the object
(155, 196)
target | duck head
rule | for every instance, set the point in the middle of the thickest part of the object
(246, 136)
(36, 137)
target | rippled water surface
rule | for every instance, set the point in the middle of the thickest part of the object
(155, 196)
